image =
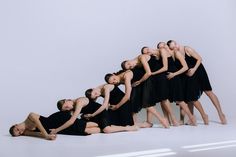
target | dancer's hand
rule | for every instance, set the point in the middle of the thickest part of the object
(113, 107)
(51, 137)
(88, 116)
(190, 72)
(53, 131)
(136, 83)
(170, 75)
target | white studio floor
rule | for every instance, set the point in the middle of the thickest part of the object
(214, 140)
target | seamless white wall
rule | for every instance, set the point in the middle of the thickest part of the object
(57, 49)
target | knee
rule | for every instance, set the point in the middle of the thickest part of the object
(32, 114)
(190, 103)
(91, 124)
(98, 130)
(208, 93)
(150, 109)
(107, 130)
(163, 102)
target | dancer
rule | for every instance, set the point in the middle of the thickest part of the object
(176, 93)
(79, 103)
(39, 126)
(192, 91)
(196, 69)
(159, 65)
(135, 78)
(113, 96)
(102, 119)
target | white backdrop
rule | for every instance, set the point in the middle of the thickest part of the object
(57, 49)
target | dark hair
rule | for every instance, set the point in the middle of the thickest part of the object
(159, 44)
(107, 77)
(169, 42)
(143, 49)
(123, 65)
(11, 130)
(88, 93)
(60, 104)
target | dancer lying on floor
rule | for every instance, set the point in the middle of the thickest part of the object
(39, 126)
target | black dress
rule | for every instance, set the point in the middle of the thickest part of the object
(122, 116)
(136, 96)
(161, 90)
(59, 118)
(192, 91)
(176, 89)
(203, 79)
(149, 97)
(102, 119)
(196, 84)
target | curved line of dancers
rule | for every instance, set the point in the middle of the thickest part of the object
(169, 73)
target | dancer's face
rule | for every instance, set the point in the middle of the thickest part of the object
(173, 45)
(95, 93)
(129, 65)
(114, 80)
(68, 105)
(18, 130)
(146, 50)
(161, 45)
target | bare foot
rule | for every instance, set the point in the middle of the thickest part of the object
(145, 125)
(223, 119)
(205, 119)
(175, 122)
(188, 122)
(165, 123)
(193, 121)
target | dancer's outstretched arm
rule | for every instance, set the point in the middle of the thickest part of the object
(107, 89)
(128, 76)
(164, 62)
(195, 55)
(182, 61)
(148, 73)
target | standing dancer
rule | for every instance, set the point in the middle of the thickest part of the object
(136, 97)
(196, 68)
(159, 65)
(176, 91)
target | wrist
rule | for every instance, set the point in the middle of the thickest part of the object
(45, 136)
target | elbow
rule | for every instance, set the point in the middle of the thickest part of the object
(149, 74)
(165, 68)
(70, 123)
(185, 68)
(127, 97)
(200, 59)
